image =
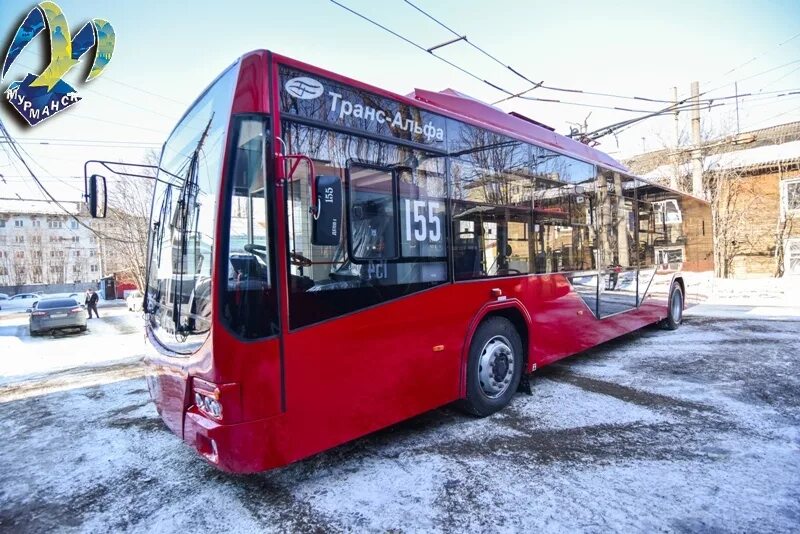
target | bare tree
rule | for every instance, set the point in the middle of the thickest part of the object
(129, 201)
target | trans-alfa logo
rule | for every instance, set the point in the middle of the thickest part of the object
(304, 87)
(39, 97)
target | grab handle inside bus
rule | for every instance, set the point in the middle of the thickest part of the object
(96, 198)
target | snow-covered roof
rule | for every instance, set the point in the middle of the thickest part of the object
(33, 207)
(749, 157)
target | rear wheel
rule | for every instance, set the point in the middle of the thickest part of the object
(675, 315)
(494, 367)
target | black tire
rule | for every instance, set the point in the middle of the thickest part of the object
(493, 338)
(675, 313)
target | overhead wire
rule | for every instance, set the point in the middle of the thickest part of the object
(18, 152)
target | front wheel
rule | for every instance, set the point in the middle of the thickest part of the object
(675, 314)
(494, 367)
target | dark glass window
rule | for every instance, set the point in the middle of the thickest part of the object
(250, 301)
(564, 206)
(325, 281)
(491, 188)
(423, 203)
(372, 223)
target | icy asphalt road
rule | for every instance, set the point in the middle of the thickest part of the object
(694, 430)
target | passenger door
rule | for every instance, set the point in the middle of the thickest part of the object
(358, 355)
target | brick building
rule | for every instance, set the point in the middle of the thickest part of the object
(753, 182)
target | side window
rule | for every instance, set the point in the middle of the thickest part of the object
(491, 205)
(250, 302)
(373, 261)
(372, 219)
(564, 207)
(423, 202)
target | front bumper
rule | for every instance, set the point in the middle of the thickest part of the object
(239, 448)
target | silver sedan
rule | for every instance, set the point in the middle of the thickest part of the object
(57, 314)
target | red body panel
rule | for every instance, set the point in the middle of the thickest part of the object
(296, 394)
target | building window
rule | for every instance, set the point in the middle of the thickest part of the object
(18, 223)
(36, 239)
(19, 254)
(3, 271)
(94, 268)
(76, 268)
(790, 198)
(19, 238)
(77, 253)
(55, 269)
(668, 211)
(791, 253)
(37, 223)
(92, 253)
(55, 224)
(75, 239)
(2, 224)
(73, 224)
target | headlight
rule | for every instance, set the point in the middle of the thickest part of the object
(208, 405)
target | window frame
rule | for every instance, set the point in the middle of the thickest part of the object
(222, 244)
(785, 211)
(349, 164)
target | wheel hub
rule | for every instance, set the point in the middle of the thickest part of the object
(496, 367)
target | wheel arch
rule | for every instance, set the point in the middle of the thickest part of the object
(516, 314)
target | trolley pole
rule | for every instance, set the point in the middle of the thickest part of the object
(697, 153)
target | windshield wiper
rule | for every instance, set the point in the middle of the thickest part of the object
(187, 203)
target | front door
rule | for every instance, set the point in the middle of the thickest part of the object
(358, 355)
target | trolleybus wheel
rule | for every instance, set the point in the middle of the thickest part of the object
(675, 315)
(494, 367)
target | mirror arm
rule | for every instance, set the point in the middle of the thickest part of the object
(120, 172)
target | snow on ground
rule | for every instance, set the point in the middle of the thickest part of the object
(693, 430)
(117, 335)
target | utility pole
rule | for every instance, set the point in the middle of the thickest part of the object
(673, 179)
(697, 153)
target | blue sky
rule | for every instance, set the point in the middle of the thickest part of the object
(167, 52)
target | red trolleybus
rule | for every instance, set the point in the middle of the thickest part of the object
(328, 258)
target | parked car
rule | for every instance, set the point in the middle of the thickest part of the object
(3, 299)
(134, 301)
(21, 301)
(51, 314)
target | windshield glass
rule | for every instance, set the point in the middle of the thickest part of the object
(182, 222)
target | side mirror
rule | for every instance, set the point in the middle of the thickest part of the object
(326, 229)
(28, 310)
(96, 198)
